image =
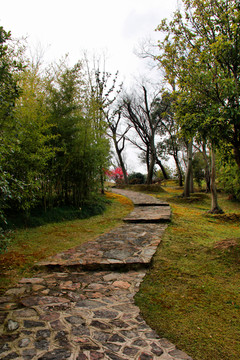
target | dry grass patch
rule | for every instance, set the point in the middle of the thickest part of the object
(226, 244)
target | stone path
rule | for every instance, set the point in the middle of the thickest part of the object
(81, 305)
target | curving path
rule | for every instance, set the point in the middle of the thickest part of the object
(81, 305)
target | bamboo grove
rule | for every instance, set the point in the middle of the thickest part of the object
(53, 144)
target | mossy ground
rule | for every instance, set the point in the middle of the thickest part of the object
(191, 295)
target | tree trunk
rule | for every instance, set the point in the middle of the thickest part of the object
(102, 182)
(207, 170)
(237, 155)
(147, 159)
(187, 183)
(150, 171)
(152, 163)
(191, 183)
(179, 170)
(215, 208)
(121, 162)
(159, 163)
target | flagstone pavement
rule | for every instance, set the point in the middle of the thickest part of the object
(81, 304)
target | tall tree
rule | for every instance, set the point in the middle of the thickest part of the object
(118, 137)
(103, 90)
(32, 131)
(204, 39)
(77, 123)
(204, 42)
(168, 128)
(140, 116)
(10, 68)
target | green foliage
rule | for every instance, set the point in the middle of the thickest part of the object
(200, 52)
(25, 148)
(82, 148)
(198, 165)
(9, 69)
(9, 92)
(4, 240)
(53, 134)
(229, 178)
(168, 170)
(136, 178)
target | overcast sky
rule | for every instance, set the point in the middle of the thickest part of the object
(108, 26)
(111, 27)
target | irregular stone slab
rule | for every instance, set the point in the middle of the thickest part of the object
(130, 246)
(12, 325)
(40, 300)
(140, 199)
(57, 354)
(150, 214)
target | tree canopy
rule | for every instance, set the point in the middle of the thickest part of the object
(201, 56)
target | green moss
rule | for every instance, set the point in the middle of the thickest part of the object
(191, 295)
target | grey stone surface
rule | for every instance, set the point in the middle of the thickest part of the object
(151, 214)
(140, 199)
(77, 314)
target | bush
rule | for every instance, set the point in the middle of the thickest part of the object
(229, 179)
(39, 217)
(136, 178)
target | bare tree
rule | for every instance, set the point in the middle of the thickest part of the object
(119, 138)
(138, 111)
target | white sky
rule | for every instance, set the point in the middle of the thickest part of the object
(73, 26)
(111, 27)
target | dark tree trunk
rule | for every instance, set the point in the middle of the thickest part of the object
(207, 170)
(150, 171)
(237, 155)
(179, 170)
(121, 162)
(102, 182)
(152, 162)
(191, 183)
(147, 159)
(159, 163)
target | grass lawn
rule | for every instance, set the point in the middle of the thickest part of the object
(27, 246)
(191, 295)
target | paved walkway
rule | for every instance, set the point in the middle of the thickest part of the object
(81, 305)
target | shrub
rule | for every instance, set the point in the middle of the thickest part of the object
(229, 179)
(136, 178)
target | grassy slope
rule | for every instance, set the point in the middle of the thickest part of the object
(31, 245)
(191, 295)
